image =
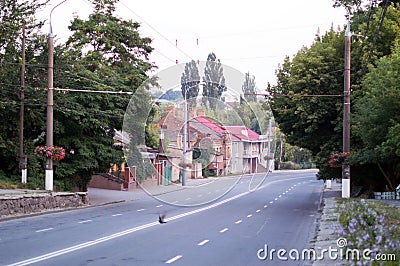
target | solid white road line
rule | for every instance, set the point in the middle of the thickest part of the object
(173, 259)
(44, 230)
(202, 243)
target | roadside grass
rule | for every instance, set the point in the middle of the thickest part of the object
(373, 225)
(6, 183)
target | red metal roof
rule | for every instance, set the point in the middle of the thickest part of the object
(243, 133)
(210, 124)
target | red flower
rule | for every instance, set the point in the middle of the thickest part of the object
(54, 152)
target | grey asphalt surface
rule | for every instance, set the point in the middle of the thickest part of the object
(228, 231)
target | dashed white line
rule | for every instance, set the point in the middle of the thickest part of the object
(276, 198)
(86, 221)
(238, 221)
(271, 202)
(114, 215)
(258, 210)
(224, 230)
(265, 206)
(248, 216)
(173, 259)
(202, 243)
(44, 230)
(140, 210)
(158, 206)
(280, 196)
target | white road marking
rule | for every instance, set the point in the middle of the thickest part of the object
(188, 198)
(224, 230)
(238, 221)
(271, 202)
(283, 193)
(280, 196)
(158, 206)
(173, 259)
(202, 243)
(287, 191)
(114, 215)
(248, 216)
(44, 230)
(140, 210)
(276, 198)
(265, 206)
(175, 202)
(86, 221)
(258, 210)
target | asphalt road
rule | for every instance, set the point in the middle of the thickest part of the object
(231, 230)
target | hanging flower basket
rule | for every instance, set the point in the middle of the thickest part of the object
(338, 159)
(54, 152)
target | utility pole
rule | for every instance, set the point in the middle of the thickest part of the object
(22, 157)
(346, 113)
(49, 120)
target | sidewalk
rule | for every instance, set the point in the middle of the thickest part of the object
(328, 224)
(99, 196)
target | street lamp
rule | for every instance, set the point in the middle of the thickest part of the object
(50, 104)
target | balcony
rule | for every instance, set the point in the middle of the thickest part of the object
(250, 154)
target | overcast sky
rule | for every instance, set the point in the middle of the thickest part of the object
(251, 35)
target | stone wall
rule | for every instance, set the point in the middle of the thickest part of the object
(31, 203)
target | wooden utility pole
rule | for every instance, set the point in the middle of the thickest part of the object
(346, 113)
(22, 157)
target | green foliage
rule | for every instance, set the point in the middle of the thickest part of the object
(104, 53)
(377, 116)
(249, 88)
(214, 82)
(315, 123)
(313, 71)
(14, 15)
(190, 81)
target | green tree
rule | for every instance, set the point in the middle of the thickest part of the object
(214, 82)
(249, 88)
(377, 118)
(104, 53)
(14, 15)
(190, 81)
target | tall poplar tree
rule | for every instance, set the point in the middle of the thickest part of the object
(214, 82)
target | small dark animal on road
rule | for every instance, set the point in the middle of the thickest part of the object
(161, 218)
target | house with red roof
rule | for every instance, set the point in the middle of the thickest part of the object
(247, 148)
